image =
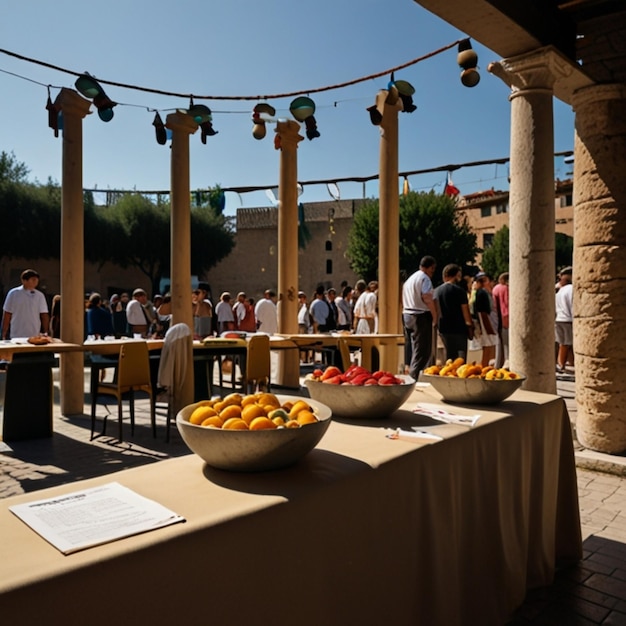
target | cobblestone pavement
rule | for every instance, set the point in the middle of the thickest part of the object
(593, 592)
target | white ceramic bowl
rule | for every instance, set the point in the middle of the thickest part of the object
(361, 402)
(253, 451)
(473, 390)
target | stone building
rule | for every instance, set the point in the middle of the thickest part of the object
(488, 211)
(252, 266)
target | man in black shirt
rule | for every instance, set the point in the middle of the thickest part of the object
(455, 323)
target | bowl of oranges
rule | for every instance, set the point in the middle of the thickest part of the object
(255, 432)
(472, 383)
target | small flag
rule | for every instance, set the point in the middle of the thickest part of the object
(450, 189)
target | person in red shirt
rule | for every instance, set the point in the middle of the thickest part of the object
(500, 295)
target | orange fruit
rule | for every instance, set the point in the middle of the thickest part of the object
(250, 411)
(219, 405)
(215, 420)
(262, 423)
(278, 420)
(268, 398)
(233, 410)
(200, 413)
(306, 417)
(232, 398)
(250, 399)
(298, 406)
(235, 423)
(207, 402)
(292, 424)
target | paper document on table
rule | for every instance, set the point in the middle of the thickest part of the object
(419, 436)
(83, 519)
(436, 412)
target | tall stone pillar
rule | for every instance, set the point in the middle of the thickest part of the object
(389, 105)
(74, 109)
(600, 266)
(182, 126)
(531, 221)
(287, 141)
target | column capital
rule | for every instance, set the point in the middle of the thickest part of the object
(180, 121)
(535, 71)
(288, 133)
(598, 93)
(71, 103)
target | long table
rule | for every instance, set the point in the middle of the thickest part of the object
(28, 394)
(364, 530)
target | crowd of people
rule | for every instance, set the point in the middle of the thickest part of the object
(134, 314)
(467, 313)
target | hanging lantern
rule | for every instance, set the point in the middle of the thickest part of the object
(302, 109)
(468, 60)
(53, 115)
(89, 87)
(159, 129)
(260, 113)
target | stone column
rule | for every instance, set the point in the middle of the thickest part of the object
(600, 266)
(182, 126)
(531, 221)
(287, 140)
(389, 105)
(72, 364)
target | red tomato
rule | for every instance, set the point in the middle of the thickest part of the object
(330, 372)
(334, 380)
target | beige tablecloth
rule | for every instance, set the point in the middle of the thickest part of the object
(364, 530)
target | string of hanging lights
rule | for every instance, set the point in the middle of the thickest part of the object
(302, 108)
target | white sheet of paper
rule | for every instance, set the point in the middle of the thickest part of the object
(436, 412)
(88, 518)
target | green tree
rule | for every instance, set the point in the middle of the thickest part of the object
(31, 221)
(135, 232)
(11, 169)
(429, 224)
(495, 259)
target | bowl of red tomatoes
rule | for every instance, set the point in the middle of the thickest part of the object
(358, 393)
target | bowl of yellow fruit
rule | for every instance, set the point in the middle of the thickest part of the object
(252, 433)
(471, 383)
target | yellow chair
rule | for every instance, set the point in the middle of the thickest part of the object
(258, 365)
(133, 375)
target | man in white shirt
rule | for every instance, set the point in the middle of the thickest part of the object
(419, 314)
(136, 314)
(266, 313)
(25, 311)
(365, 310)
(564, 318)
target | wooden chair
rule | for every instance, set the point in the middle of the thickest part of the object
(344, 351)
(133, 375)
(258, 366)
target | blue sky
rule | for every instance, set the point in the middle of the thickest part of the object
(245, 48)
